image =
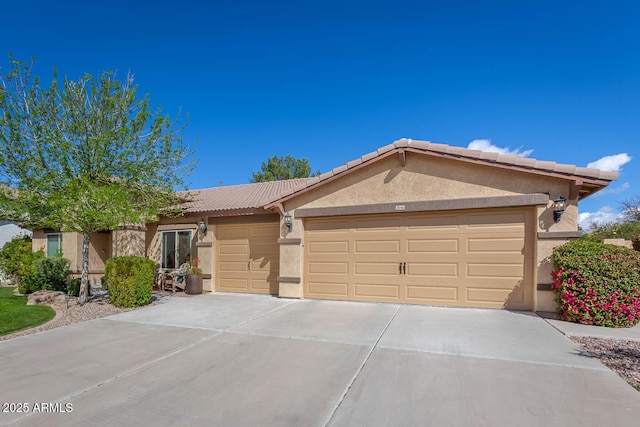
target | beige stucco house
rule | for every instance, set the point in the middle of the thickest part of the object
(412, 222)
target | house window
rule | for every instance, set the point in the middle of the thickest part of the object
(176, 248)
(54, 244)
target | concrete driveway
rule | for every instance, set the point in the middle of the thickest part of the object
(225, 359)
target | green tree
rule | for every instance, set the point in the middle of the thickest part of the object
(287, 167)
(85, 155)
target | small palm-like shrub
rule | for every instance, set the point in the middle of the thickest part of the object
(129, 280)
(597, 284)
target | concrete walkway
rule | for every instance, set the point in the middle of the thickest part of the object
(225, 359)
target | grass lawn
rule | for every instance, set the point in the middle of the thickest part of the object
(16, 315)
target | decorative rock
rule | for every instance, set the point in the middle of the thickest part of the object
(47, 297)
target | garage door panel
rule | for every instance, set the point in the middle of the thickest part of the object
(328, 289)
(233, 233)
(259, 286)
(331, 247)
(372, 290)
(433, 223)
(265, 265)
(230, 266)
(263, 230)
(494, 298)
(324, 227)
(432, 245)
(448, 294)
(377, 246)
(485, 245)
(237, 285)
(376, 226)
(263, 249)
(432, 269)
(234, 248)
(376, 268)
(318, 267)
(494, 271)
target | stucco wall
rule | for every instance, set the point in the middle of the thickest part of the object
(128, 241)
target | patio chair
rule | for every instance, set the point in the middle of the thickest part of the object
(176, 279)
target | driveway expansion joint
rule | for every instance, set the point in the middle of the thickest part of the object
(361, 367)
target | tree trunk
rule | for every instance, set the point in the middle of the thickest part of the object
(84, 284)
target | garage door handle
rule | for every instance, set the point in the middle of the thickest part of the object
(404, 268)
(248, 265)
(400, 268)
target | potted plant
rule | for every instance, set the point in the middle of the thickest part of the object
(193, 277)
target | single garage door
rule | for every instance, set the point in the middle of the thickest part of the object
(248, 258)
(473, 259)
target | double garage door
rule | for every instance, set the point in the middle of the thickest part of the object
(474, 259)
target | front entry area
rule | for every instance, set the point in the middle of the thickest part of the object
(466, 258)
(248, 258)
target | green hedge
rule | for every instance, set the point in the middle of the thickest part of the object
(52, 273)
(613, 230)
(129, 280)
(597, 284)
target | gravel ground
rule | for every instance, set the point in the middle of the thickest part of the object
(95, 308)
(621, 356)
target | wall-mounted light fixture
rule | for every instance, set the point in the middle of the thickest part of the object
(287, 221)
(203, 226)
(559, 206)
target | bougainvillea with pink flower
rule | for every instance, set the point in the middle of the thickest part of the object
(597, 284)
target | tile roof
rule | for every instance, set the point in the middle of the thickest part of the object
(490, 158)
(265, 194)
(245, 196)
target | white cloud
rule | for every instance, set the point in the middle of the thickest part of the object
(486, 145)
(611, 163)
(603, 215)
(613, 190)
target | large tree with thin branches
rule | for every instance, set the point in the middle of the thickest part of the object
(85, 155)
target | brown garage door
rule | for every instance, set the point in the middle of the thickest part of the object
(248, 258)
(474, 259)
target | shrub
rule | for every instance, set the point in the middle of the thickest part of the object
(597, 284)
(27, 274)
(52, 273)
(73, 287)
(613, 230)
(130, 280)
(16, 261)
(29, 284)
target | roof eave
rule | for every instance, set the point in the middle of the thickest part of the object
(589, 185)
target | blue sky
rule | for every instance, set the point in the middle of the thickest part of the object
(330, 81)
